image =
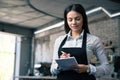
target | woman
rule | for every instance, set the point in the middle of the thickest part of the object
(78, 42)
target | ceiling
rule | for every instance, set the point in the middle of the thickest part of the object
(37, 14)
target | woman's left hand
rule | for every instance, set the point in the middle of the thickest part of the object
(81, 68)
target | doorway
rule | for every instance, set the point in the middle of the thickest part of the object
(7, 55)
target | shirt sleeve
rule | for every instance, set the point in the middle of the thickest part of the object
(103, 68)
(54, 66)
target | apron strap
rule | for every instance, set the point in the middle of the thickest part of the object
(62, 43)
(84, 46)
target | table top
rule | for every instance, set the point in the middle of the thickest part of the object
(36, 77)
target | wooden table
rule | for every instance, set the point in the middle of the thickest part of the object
(35, 77)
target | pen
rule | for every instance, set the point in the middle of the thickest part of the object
(62, 52)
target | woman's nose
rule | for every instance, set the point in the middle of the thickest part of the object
(74, 22)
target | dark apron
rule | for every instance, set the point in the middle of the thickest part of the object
(81, 57)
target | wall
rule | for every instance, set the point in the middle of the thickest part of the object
(119, 36)
(107, 30)
(45, 44)
(25, 55)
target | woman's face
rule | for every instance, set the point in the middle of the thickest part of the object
(75, 21)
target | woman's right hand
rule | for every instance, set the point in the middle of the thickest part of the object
(64, 55)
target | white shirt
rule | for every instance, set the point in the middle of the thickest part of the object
(94, 47)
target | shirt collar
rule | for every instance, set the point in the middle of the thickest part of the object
(70, 37)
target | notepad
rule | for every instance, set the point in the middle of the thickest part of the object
(66, 63)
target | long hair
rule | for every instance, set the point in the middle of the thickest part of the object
(78, 8)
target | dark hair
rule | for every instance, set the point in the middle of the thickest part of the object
(78, 8)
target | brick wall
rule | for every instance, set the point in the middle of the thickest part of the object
(107, 30)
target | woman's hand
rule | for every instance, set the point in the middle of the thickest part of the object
(81, 68)
(64, 55)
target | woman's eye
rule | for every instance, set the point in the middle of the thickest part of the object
(69, 20)
(78, 18)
